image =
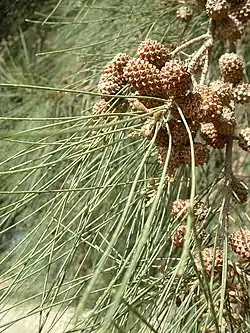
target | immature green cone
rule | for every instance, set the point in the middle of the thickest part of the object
(212, 261)
(239, 242)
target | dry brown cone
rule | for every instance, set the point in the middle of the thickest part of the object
(239, 241)
(226, 123)
(231, 68)
(212, 261)
(241, 11)
(153, 52)
(102, 106)
(178, 237)
(204, 105)
(175, 157)
(201, 154)
(176, 78)
(212, 137)
(241, 93)
(144, 77)
(185, 13)
(239, 190)
(116, 65)
(224, 90)
(217, 9)
(244, 139)
(108, 84)
(179, 132)
(180, 209)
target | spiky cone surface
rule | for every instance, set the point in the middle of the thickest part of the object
(229, 29)
(213, 138)
(178, 237)
(217, 9)
(179, 132)
(153, 52)
(175, 158)
(241, 11)
(180, 209)
(241, 93)
(244, 139)
(201, 154)
(239, 190)
(231, 68)
(116, 66)
(239, 241)
(185, 13)
(212, 261)
(176, 78)
(143, 76)
(226, 123)
(203, 105)
(102, 106)
(108, 84)
(224, 90)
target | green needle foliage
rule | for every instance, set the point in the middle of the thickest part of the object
(86, 220)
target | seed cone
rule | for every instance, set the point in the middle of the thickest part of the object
(108, 84)
(143, 76)
(212, 137)
(244, 139)
(241, 93)
(204, 105)
(180, 209)
(153, 52)
(116, 65)
(212, 261)
(217, 9)
(239, 190)
(223, 90)
(176, 78)
(231, 68)
(178, 237)
(226, 123)
(239, 241)
(241, 11)
(201, 154)
(102, 106)
(184, 13)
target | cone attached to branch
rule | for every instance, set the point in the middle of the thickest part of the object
(239, 242)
